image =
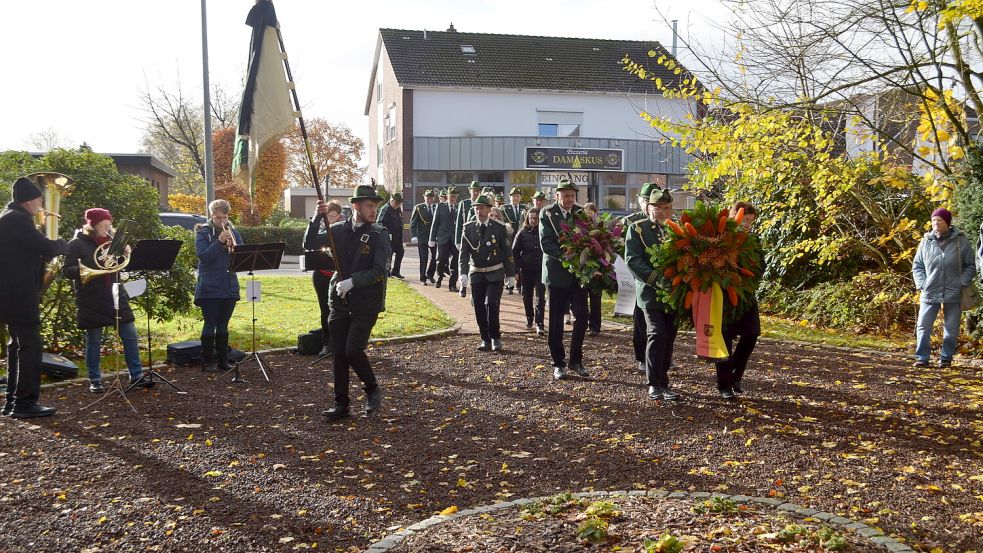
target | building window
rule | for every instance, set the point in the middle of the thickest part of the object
(492, 177)
(391, 125)
(429, 177)
(460, 178)
(548, 129)
(523, 177)
(378, 155)
(558, 129)
(613, 198)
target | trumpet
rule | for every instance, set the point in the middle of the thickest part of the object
(231, 244)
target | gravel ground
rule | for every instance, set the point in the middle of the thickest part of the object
(255, 467)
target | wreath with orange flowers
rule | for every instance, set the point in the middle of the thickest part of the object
(706, 247)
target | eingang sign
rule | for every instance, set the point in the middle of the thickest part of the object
(579, 159)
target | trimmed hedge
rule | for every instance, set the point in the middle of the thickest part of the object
(292, 237)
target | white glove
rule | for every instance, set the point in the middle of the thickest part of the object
(432, 243)
(509, 282)
(413, 240)
(464, 280)
(344, 287)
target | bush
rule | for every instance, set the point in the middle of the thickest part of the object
(292, 237)
(187, 203)
(869, 302)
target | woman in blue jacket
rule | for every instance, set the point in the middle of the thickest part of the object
(217, 288)
(944, 264)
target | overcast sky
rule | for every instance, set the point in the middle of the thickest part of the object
(78, 68)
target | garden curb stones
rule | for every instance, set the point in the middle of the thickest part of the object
(871, 534)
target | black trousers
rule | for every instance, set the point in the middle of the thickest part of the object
(23, 364)
(574, 298)
(398, 251)
(216, 312)
(447, 261)
(660, 336)
(350, 334)
(748, 327)
(639, 339)
(594, 319)
(323, 290)
(532, 284)
(486, 297)
(428, 260)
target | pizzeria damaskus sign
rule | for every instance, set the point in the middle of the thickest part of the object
(581, 159)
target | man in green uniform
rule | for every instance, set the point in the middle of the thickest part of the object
(515, 212)
(465, 214)
(420, 222)
(391, 217)
(539, 200)
(442, 238)
(660, 319)
(638, 339)
(564, 290)
(487, 264)
(362, 251)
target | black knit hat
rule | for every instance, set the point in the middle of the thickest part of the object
(24, 190)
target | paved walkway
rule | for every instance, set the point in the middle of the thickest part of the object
(513, 315)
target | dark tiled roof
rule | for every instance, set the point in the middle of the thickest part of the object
(519, 62)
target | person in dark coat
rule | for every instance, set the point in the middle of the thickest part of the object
(486, 264)
(661, 324)
(442, 238)
(391, 217)
(217, 288)
(565, 291)
(420, 222)
(316, 238)
(528, 256)
(638, 338)
(358, 295)
(95, 303)
(24, 251)
(747, 325)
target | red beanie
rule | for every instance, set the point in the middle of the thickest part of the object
(96, 215)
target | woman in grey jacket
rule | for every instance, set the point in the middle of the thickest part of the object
(943, 265)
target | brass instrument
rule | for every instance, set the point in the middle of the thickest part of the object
(110, 257)
(54, 186)
(231, 246)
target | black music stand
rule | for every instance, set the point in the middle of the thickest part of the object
(254, 257)
(318, 260)
(153, 256)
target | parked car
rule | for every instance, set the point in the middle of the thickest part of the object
(183, 220)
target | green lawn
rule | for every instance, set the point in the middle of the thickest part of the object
(288, 307)
(783, 329)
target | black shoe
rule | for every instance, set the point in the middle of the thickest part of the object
(568, 321)
(593, 332)
(439, 280)
(540, 331)
(373, 400)
(655, 392)
(142, 382)
(7, 408)
(580, 370)
(208, 353)
(430, 278)
(397, 275)
(336, 413)
(452, 289)
(423, 283)
(559, 373)
(670, 395)
(484, 346)
(920, 364)
(464, 291)
(727, 393)
(945, 364)
(96, 387)
(32, 411)
(511, 290)
(496, 345)
(326, 350)
(641, 367)
(738, 389)
(528, 324)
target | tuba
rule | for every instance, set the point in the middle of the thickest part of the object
(110, 257)
(54, 186)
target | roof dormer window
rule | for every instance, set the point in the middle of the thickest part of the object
(468, 50)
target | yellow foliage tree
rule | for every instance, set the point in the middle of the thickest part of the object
(269, 176)
(187, 203)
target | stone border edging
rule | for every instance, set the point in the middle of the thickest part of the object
(869, 533)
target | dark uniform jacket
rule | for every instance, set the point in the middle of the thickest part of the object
(94, 300)
(515, 215)
(465, 213)
(392, 219)
(442, 231)
(488, 255)
(421, 221)
(648, 279)
(364, 255)
(554, 273)
(633, 218)
(23, 251)
(215, 280)
(528, 253)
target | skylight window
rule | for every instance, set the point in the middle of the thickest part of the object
(468, 50)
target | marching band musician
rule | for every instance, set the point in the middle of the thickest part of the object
(314, 239)
(96, 307)
(217, 288)
(24, 251)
